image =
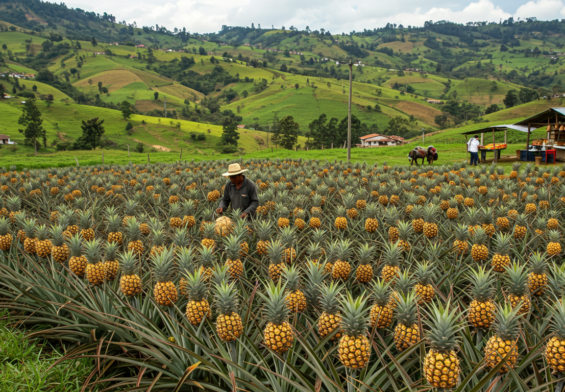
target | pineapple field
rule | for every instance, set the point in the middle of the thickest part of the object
(350, 276)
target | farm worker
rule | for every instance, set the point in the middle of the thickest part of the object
(473, 148)
(240, 192)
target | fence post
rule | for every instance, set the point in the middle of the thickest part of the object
(129, 154)
(180, 157)
(148, 160)
(77, 161)
(102, 157)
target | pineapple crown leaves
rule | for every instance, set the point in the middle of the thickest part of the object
(208, 230)
(330, 297)
(348, 200)
(444, 326)
(538, 263)
(275, 249)
(196, 286)
(158, 237)
(365, 254)
(503, 243)
(4, 226)
(180, 238)
(207, 257)
(75, 245)
(175, 210)
(431, 213)
(344, 249)
(392, 215)
(232, 243)
(557, 280)
(29, 226)
(381, 291)
(221, 275)
(479, 236)
(111, 250)
(133, 229)
(554, 236)
(355, 315)
(461, 232)
(276, 310)
(163, 265)
(315, 275)
(558, 318)
(405, 230)
(507, 322)
(56, 232)
(186, 259)
(92, 251)
(14, 203)
(314, 250)
(516, 278)
(424, 273)
(226, 297)
(291, 276)
(319, 236)
(482, 281)
(113, 223)
(404, 282)
(85, 219)
(405, 310)
(264, 229)
(392, 254)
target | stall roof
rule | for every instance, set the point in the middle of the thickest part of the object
(498, 128)
(540, 119)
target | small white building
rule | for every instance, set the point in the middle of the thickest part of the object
(5, 139)
(376, 140)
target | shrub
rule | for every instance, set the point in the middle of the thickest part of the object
(229, 149)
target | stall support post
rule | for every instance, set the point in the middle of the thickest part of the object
(482, 139)
(467, 143)
(528, 141)
(505, 136)
(494, 147)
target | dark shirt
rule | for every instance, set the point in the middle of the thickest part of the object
(244, 199)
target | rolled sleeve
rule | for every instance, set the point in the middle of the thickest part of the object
(225, 200)
(254, 200)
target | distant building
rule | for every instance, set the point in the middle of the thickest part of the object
(5, 139)
(140, 46)
(376, 140)
(241, 126)
(434, 101)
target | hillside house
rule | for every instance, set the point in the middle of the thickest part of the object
(434, 101)
(140, 46)
(376, 140)
(241, 126)
(5, 139)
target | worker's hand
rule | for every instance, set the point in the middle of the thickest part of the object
(219, 210)
(243, 216)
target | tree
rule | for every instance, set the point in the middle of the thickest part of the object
(90, 81)
(94, 42)
(503, 48)
(126, 109)
(296, 86)
(156, 95)
(48, 98)
(139, 148)
(100, 87)
(527, 95)
(492, 109)
(33, 124)
(129, 128)
(288, 132)
(283, 68)
(512, 99)
(230, 134)
(202, 51)
(4, 47)
(92, 131)
(73, 71)
(2, 91)
(441, 120)
(34, 88)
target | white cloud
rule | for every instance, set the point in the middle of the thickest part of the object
(336, 16)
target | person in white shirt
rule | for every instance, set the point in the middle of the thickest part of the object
(473, 148)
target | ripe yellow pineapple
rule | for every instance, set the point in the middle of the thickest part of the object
(341, 220)
(406, 332)
(295, 299)
(5, 236)
(504, 343)
(77, 262)
(60, 250)
(554, 243)
(233, 262)
(453, 211)
(133, 233)
(487, 221)
(94, 267)
(424, 275)
(113, 229)
(197, 308)
(501, 258)
(537, 278)
(364, 272)
(85, 225)
(404, 236)
(392, 216)
(461, 245)
(381, 312)
(372, 222)
(342, 267)
(165, 291)
(441, 365)
(430, 216)
(208, 235)
(516, 279)
(482, 307)
(479, 250)
(275, 250)
(29, 226)
(555, 348)
(175, 214)
(330, 319)
(520, 228)
(278, 335)
(228, 323)
(354, 349)
(130, 282)
(391, 259)
(264, 233)
(417, 220)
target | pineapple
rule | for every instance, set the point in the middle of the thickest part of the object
(208, 235)
(275, 250)
(417, 221)
(316, 218)
(185, 266)
(60, 250)
(14, 204)
(516, 280)
(391, 259)
(188, 220)
(278, 335)
(553, 222)
(441, 365)
(233, 262)
(520, 228)
(315, 277)
(29, 225)
(515, 169)
(207, 262)
(111, 263)
(381, 312)
(555, 348)
(430, 215)
(461, 245)
(341, 220)
(404, 234)
(165, 292)
(342, 268)
(530, 205)
(501, 258)
(133, 232)
(314, 252)
(349, 203)
(406, 332)
(77, 262)
(330, 319)
(364, 272)
(95, 267)
(392, 215)
(372, 223)
(504, 343)
(554, 245)
(114, 233)
(479, 250)
(482, 307)
(85, 223)
(228, 323)
(5, 236)
(453, 211)
(288, 240)
(264, 233)
(295, 299)
(197, 308)
(424, 290)
(537, 278)
(42, 244)
(487, 222)
(175, 220)
(130, 283)
(354, 349)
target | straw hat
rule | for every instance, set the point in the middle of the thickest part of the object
(233, 170)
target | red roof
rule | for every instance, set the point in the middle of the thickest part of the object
(4, 137)
(369, 136)
(396, 137)
(241, 126)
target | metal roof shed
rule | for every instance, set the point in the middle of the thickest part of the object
(543, 119)
(497, 128)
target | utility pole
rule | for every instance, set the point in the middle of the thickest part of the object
(423, 136)
(349, 114)
(165, 100)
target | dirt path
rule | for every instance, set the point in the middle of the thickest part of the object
(156, 146)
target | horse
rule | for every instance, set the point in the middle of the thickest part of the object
(420, 153)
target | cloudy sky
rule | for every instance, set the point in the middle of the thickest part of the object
(337, 16)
